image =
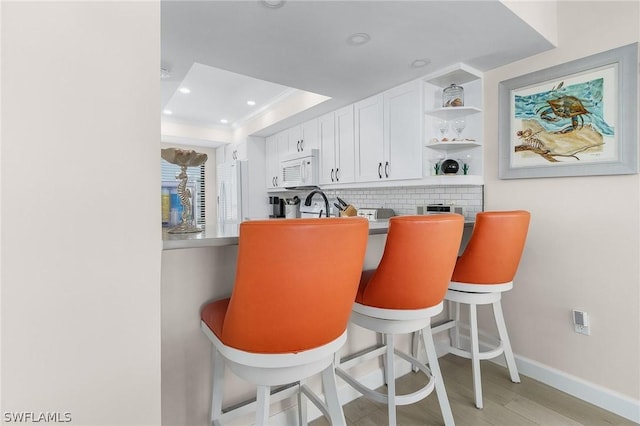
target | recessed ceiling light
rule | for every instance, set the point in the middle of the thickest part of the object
(164, 73)
(272, 4)
(185, 90)
(358, 39)
(251, 103)
(419, 63)
(167, 112)
(224, 121)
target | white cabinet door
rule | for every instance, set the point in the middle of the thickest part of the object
(303, 137)
(272, 159)
(295, 139)
(344, 145)
(326, 144)
(276, 146)
(240, 151)
(403, 132)
(369, 139)
(309, 136)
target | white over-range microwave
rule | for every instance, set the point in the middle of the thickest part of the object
(301, 169)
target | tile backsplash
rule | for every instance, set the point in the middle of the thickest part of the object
(405, 200)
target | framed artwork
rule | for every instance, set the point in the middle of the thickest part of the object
(574, 119)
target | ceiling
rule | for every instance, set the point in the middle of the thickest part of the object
(229, 52)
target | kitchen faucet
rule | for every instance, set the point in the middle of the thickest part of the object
(307, 201)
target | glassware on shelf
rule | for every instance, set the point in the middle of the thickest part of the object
(458, 126)
(453, 96)
(443, 128)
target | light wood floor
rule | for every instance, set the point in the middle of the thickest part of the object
(505, 403)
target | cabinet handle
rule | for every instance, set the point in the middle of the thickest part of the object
(337, 177)
(301, 144)
(298, 146)
(273, 181)
(386, 169)
(331, 175)
(380, 170)
(276, 180)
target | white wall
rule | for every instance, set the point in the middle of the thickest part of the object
(81, 245)
(583, 248)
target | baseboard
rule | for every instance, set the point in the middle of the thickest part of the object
(597, 395)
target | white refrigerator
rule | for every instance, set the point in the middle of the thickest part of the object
(233, 196)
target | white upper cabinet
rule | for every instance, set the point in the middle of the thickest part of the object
(389, 135)
(335, 141)
(271, 165)
(309, 137)
(277, 146)
(403, 132)
(345, 152)
(303, 138)
(326, 144)
(369, 139)
(230, 152)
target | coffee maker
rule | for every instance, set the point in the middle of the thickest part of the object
(277, 206)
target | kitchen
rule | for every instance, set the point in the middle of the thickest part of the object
(571, 222)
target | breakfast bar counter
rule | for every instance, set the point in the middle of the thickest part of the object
(213, 237)
(199, 268)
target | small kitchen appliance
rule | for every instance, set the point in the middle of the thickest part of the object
(300, 170)
(316, 209)
(439, 209)
(376, 213)
(277, 207)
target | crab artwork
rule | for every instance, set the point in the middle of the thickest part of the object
(561, 123)
(564, 107)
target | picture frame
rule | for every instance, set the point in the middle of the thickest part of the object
(575, 119)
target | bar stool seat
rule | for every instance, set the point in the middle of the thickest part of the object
(400, 297)
(483, 272)
(287, 316)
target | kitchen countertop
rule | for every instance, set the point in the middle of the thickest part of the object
(229, 236)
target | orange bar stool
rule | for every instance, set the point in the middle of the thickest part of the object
(401, 296)
(288, 313)
(484, 271)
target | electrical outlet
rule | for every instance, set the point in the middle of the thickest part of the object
(582, 329)
(581, 322)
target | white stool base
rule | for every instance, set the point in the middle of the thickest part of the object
(491, 294)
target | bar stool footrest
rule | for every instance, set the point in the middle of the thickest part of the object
(490, 354)
(374, 395)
